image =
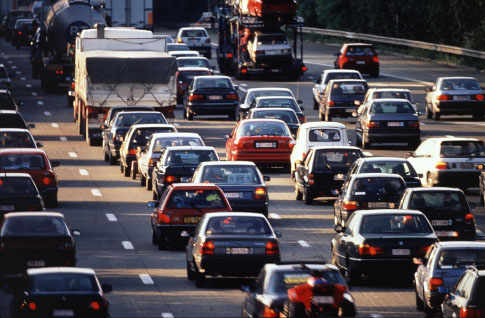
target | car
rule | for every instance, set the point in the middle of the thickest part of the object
(263, 141)
(373, 241)
(327, 75)
(177, 165)
(36, 163)
(13, 119)
(197, 39)
(449, 161)
(116, 109)
(269, 48)
(341, 98)
(12, 17)
(395, 165)
(388, 120)
(35, 239)
(43, 288)
(252, 93)
(114, 134)
(440, 269)
(455, 96)
(176, 47)
(267, 295)
(179, 209)
(446, 208)
(137, 136)
(184, 76)
(314, 134)
(482, 188)
(193, 61)
(148, 156)
(279, 101)
(18, 192)
(17, 138)
(242, 182)
(231, 244)
(22, 32)
(211, 95)
(285, 114)
(6, 79)
(7, 101)
(358, 56)
(184, 53)
(322, 172)
(380, 92)
(464, 299)
(367, 191)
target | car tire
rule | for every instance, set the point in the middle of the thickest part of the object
(127, 171)
(436, 116)
(307, 197)
(106, 157)
(351, 275)
(154, 195)
(375, 74)
(148, 184)
(199, 280)
(51, 201)
(191, 275)
(143, 180)
(429, 113)
(134, 170)
(315, 105)
(154, 238)
(162, 244)
(414, 144)
(419, 302)
(298, 194)
(482, 198)
(478, 116)
(233, 116)
(111, 159)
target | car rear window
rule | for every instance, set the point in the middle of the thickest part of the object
(402, 168)
(462, 149)
(392, 94)
(324, 135)
(278, 102)
(194, 33)
(341, 75)
(163, 142)
(187, 76)
(283, 280)
(16, 139)
(17, 187)
(331, 159)
(360, 51)
(454, 258)
(430, 201)
(460, 84)
(127, 120)
(377, 189)
(126, 109)
(236, 174)
(196, 199)
(22, 161)
(391, 108)
(194, 62)
(264, 128)
(213, 83)
(272, 39)
(62, 282)
(348, 89)
(395, 224)
(177, 47)
(34, 226)
(253, 95)
(12, 121)
(6, 101)
(141, 135)
(286, 116)
(237, 225)
(190, 157)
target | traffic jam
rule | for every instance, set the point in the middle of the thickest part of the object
(232, 198)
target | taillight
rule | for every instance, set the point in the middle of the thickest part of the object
(164, 217)
(271, 248)
(444, 97)
(151, 163)
(269, 313)
(423, 250)
(259, 193)
(32, 306)
(94, 305)
(373, 124)
(132, 151)
(232, 96)
(302, 119)
(46, 180)
(229, 55)
(469, 218)
(480, 97)
(375, 59)
(310, 178)
(20, 33)
(304, 68)
(434, 283)
(344, 60)
(244, 70)
(179, 40)
(208, 40)
(208, 248)
(441, 166)
(73, 85)
(414, 124)
(369, 250)
(331, 103)
(350, 205)
(170, 179)
(195, 97)
(471, 313)
(59, 71)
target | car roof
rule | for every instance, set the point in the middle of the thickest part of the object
(402, 100)
(34, 213)
(193, 68)
(274, 97)
(321, 124)
(15, 130)
(192, 28)
(367, 159)
(351, 80)
(262, 89)
(9, 112)
(265, 109)
(251, 120)
(227, 163)
(176, 134)
(136, 126)
(194, 186)
(22, 150)
(334, 148)
(15, 174)
(213, 76)
(452, 138)
(56, 270)
(172, 148)
(375, 175)
(387, 89)
(251, 214)
(271, 267)
(192, 57)
(455, 77)
(434, 189)
(357, 44)
(388, 211)
(460, 244)
(340, 71)
(122, 107)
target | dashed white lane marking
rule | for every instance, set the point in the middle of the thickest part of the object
(63, 138)
(29, 86)
(23, 78)
(146, 279)
(96, 192)
(83, 172)
(274, 216)
(303, 243)
(47, 113)
(111, 217)
(72, 154)
(167, 315)
(14, 67)
(55, 125)
(33, 93)
(39, 102)
(10, 62)
(127, 245)
(375, 316)
(18, 72)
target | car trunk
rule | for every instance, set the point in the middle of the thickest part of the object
(20, 203)
(65, 304)
(183, 174)
(400, 246)
(265, 144)
(240, 245)
(214, 95)
(238, 192)
(395, 123)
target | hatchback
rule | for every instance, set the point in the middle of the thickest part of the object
(358, 56)
(342, 98)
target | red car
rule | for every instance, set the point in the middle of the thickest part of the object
(263, 141)
(263, 8)
(180, 208)
(358, 56)
(36, 163)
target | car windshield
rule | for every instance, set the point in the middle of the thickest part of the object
(454, 258)
(196, 199)
(254, 94)
(324, 135)
(22, 161)
(462, 149)
(278, 102)
(177, 47)
(332, 159)
(395, 224)
(190, 157)
(391, 108)
(62, 282)
(16, 139)
(402, 168)
(193, 62)
(213, 83)
(6, 101)
(393, 94)
(141, 135)
(12, 121)
(194, 34)
(283, 280)
(341, 75)
(348, 89)
(360, 51)
(127, 120)
(162, 142)
(187, 76)
(264, 128)
(460, 84)
(272, 39)
(446, 201)
(237, 225)
(115, 111)
(288, 117)
(17, 187)
(379, 189)
(237, 174)
(35, 226)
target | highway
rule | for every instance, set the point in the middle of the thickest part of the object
(110, 210)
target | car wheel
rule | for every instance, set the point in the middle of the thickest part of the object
(307, 197)
(436, 115)
(154, 195)
(233, 116)
(134, 170)
(482, 198)
(315, 105)
(414, 144)
(478, 116)
(365, 142)
(429, 113)
(188, 115)
(154, 238)
(143, 180)
(328, 117)
(148, 184)
(351, 275)
(298, 194)
(199, 280)
(375, 74)
(419, 302)
(126, 171)
(265, 212)
(111, 159)
(294, 310)
(162, 244)
(106, 157)
(191, 275)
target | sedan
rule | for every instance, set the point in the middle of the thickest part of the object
(192, 61)
(388, 120)
(281, 102)
(61, 292)
(184, 76)
(341, 98)
(252, 93)
(13, 119)
(358, 56)
(285, 114)
(211, 95)
(35, 239)
(19, 193)
(374, 241)
(231, 244)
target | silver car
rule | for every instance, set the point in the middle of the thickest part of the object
(197, 39)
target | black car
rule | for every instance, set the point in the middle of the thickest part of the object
(388, 120)
(184, 76)
(17, 138)
(285, 114)
(114, 134)
(7, 102)
(372, 242)
(395, 165)
(366, 191)
(322, 172)
(242, 183)
(341, 98)
(446, 208)
(13, 119)
(22, 32)
(266, 296)
(177, 165)
(481, 180)
(60, 292)
(231, 244)
(35, 239)
(19, 193)
(211, 95)
(12, 18)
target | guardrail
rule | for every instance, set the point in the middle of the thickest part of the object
(397, 41)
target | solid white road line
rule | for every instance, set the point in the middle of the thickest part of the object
(83, 172)
(72, 154)
(18, 72)
(127, 245)
(111, 217)
(55, 125)
(303, 243)
(275, 216)
(96, 192)
(146, 279)
(29, 86)
(63, 138)
(47, 114)
(23, 78)
(39, 102)
(167, 315)
(33, 93)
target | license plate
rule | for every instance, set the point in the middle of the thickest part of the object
(265, 145)
(377, 205)
(461, 97)
(232, 195)
(395, 124)
(216, 97)
(185, 179)
(401, 252)
(36, 263)
(7, 207)
(338, 177)
(191, 219)
(63, 313)
(322, 300)
(360, 62)
(441, 222)
(237, 250)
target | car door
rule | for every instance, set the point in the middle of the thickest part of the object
(158, 174)
(337, 207)
(423, 271)
(144, 157)
(361, 120)
(344, 247)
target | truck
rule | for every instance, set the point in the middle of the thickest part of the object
(131, 13)
(116, 67)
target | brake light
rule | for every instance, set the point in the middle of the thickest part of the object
(20, 33)
(269, 313)
(414, 124)
(331, 103)
(271, 248)
(304, 68)
(259, 193)
(32, 306)
(469, 217)
(46, 180)
(207, 248)
(373, 124)
(229, 55)
(151, 163)
(310, 178)
(366, 249)
(441, 166)
(423, 250)
(344, 60)
(444, 97)
(244, 71)
(208, 40)
(170, 179)
(163, 217)
(350, 205)
(132, 151)
(73, 85)
(59, 71)
(434, 283)
(375, 59)
(94, 305)
(480, 97)
(179, 40)
(471, 313)
(195, 97)
(232, 96)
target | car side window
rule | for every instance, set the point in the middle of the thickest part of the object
(164, 196)
(430, 255)
(468, 286)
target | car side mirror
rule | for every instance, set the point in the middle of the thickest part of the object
(31, 125)
(55, 163)
(227, 136)
(76, 232)
(266, 178)
(107, 288)
(39, 144)
(339, 228)
(244, 107)
(152, 204)
(236, 87)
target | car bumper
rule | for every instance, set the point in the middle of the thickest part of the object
(249, 205)
(378, 266)
(18, 262)
(175, 232)
(460, 179)
(200, 49)
(46, 192)
(274, 60)
(342, 111)
(240, 265)
(213, 108)
(363, 68)
(393, 136)
(264, 157)
(461, 107)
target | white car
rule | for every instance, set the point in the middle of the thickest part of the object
(328, 75)
(379, 93)
(269, 47)
(449, 161)
(317, 134)
(17, 138)
(183, 53)
(197, 39)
